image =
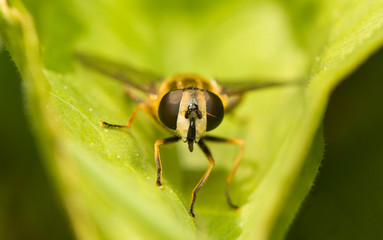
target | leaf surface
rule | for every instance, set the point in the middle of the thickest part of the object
(106, 177)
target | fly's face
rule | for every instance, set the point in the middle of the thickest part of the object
(191, 112)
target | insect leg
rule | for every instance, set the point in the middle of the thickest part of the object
(157, 156)
(134, 114)
(240, 143)
(201, 182)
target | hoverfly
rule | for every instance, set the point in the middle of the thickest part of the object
(186, 104)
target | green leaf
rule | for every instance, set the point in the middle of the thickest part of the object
(106, 177)
(350, 175)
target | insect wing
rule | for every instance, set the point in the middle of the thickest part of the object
(140, 80)
(235, 90)
(241, 87)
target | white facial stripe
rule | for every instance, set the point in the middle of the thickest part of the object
(197, 97)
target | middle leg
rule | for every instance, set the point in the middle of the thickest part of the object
(131, 119)
(201, 182)
(229, 178)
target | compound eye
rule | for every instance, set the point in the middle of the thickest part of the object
(214, 110)
(169, 108)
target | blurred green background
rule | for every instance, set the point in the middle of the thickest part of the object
(346, 202)
(29, 207)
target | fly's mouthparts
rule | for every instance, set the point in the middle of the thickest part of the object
(191, 145)
(191, 134)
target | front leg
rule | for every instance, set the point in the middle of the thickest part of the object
(157, 156)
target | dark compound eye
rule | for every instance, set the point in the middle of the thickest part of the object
(214, 110)
(169, 107)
